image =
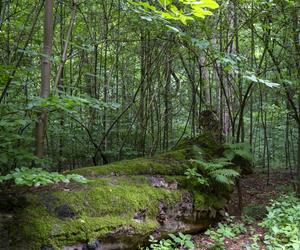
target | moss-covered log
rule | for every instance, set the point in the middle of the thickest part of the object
(122, 204)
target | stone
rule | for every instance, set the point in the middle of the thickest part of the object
(64, 211)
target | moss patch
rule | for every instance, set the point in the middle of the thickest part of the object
(139, 166)
(206, 142)
(100, 207)
(175, 162)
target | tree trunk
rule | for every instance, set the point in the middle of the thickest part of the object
(296, 33)
(298, 163)
(45, 75)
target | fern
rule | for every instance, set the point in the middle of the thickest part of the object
(211, 173)
(241, 149)
(218, 171)
(224, 176)
(209, 166)
(192, 173)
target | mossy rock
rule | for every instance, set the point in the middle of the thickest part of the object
(206, 142)
(119, 208)
(101, 209)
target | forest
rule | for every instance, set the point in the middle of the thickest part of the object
(149, 125)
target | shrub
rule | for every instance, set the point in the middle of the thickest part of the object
(180, 242)
(37, 176)
(282, 223)
(225, 230)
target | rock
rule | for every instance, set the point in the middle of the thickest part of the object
(245, 165)
(209, 122)
(64, 211)
(93, 245)
(140, 216)
(143, 197)
(162, 213)
(43, 247)
(161, 183)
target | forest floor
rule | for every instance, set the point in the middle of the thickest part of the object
(257, 194)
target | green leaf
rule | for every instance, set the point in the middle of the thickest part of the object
(251, 78)
(165, 3)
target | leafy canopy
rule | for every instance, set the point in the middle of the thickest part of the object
(181, 10)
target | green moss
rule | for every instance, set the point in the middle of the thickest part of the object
(100, 207)
(205, 141)
(199, 201)
(172, 163)
(137, 166)
(88, 228)
(174, 155)
(48, 230)
(203, 201)
(118, 195)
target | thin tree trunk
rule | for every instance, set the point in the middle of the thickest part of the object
(65, 49)
(45, 75)
(18, 63)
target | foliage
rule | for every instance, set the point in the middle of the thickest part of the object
(107, 64)
(175, 242)
(254, 243)
(282, 223)
(218, 171)
(69, 104)
(182, 10)
(192, 173)
(240, 149)
(229, 229)
(103, 68)
(37, 177)
(211, 173)
(15, 144)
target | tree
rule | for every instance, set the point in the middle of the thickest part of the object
(296, 41)
(45, 76)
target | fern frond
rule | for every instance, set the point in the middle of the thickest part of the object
(223, 161)
(222, 179)
(215, 171)
(210, 166)
(224, 176)
(241, 149)
(226, 172)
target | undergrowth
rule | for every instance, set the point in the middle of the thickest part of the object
(229, 229)
(175, 242)
(37, 177)
(282, 224)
